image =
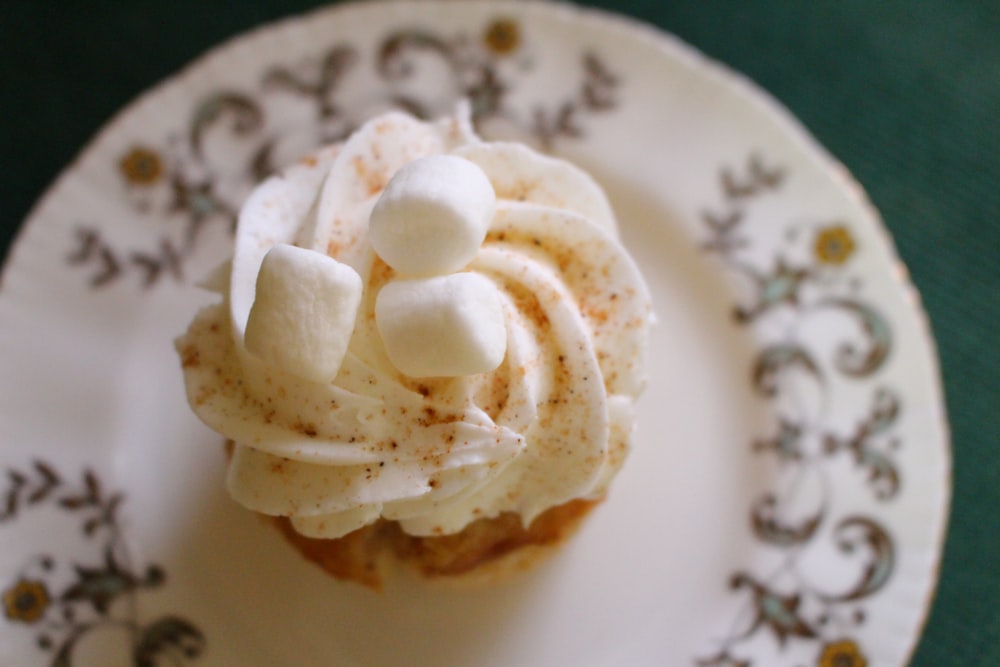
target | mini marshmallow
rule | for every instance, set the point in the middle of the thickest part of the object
(446, 326)
(303, 314)
(432, 216)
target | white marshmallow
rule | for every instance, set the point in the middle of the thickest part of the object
(432, 216)
(304, 311)
(446, 326)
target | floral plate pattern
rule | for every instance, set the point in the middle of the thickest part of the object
(786, 498)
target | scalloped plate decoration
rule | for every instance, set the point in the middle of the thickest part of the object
(785, 501)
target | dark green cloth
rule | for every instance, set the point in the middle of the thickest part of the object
(906, 93)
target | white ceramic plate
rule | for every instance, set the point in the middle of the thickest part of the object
(786, 499)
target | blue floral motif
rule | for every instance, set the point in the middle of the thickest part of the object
(805, 445)
(101, 593)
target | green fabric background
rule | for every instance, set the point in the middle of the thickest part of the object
(906, 93)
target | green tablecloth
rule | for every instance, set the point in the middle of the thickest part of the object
(906, 93)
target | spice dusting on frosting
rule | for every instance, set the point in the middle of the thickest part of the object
(422, 327)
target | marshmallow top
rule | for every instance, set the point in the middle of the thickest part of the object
(507, 387)
(447, 326)
(432, 216)
(303, 312)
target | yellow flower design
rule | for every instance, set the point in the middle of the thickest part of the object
(834, 245)
(141, 166)
(26, 601)
(843, 653)
(503, 36)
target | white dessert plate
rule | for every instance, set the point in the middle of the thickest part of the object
(786, 499)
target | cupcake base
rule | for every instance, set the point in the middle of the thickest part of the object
(486, 551)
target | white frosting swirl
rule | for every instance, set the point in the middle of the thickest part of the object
(550, 425)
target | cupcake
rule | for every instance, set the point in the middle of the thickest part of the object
(427, 352)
